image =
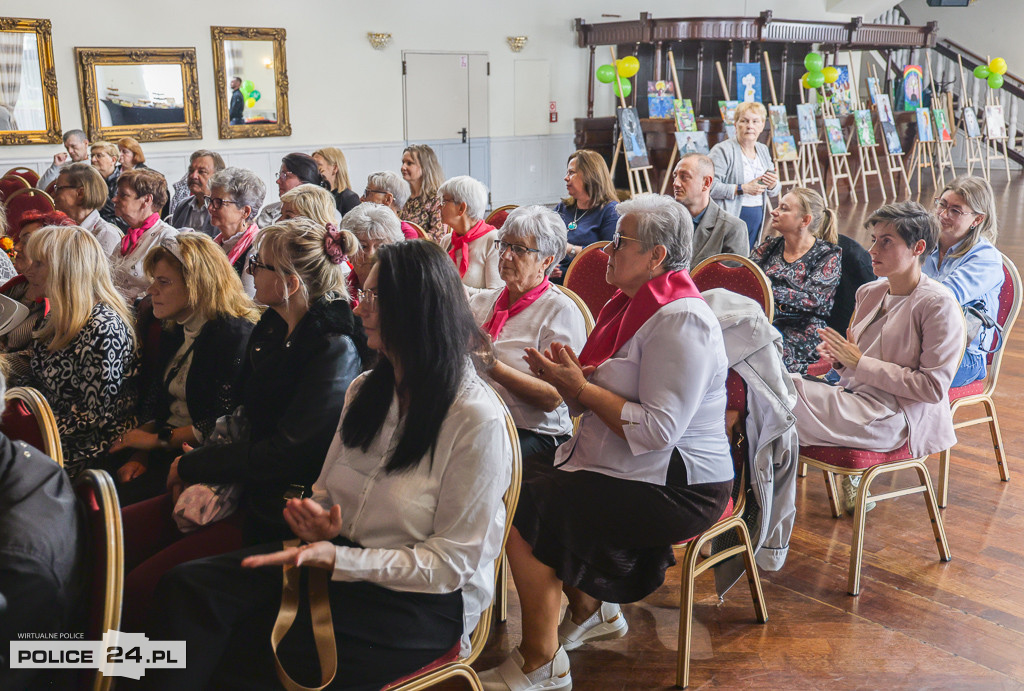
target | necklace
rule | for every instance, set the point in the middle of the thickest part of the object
(575, 218)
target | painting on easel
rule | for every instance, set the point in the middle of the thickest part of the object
(941, 125)
(785, 147)
(873, 90)
(779, 119)
(995, 126)
(808, 123)
(834, 132)
(748, 81)
(865, 128)
(728, 110)
(632, 138)
(685, 119)
(659, 99)
(924, 125)
(888, 121)
(971, 122)
(692, 142)
(841, 92)
(912, 79)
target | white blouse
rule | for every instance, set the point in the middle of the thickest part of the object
(129, 277)
(552, 317)
(672, 374)
(108, 235)
(435, 528)
(482, 273)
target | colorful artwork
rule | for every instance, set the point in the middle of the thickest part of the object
(685, 119)
(659, 99)
(808, 123)
(941, 125)
(913, 77)
(748, 81)
(728, 110)
(971, 123)
(873, 89)
(785, 147)
(692, 142)
(841, 92)
(924, 125)
(995, 125)
(834, 132)
(865, 127)
(632, 137)
(888, 122)
(779, 120)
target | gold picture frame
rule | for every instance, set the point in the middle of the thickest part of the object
(263, 122)
(47, 86)
(126, 108)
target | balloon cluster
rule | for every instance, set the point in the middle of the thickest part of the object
(992, 73)
(817, 74)
(619, 73)
(249, 93)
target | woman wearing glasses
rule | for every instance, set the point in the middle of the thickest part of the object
(296, 169)
(967, 262)
(373, 226)
(470, 243)
(140, 196)
(529, 312)
(650, 384)
(236, 195)
(390, 189)
(81, 192)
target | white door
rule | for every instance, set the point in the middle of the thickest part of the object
(445, 103)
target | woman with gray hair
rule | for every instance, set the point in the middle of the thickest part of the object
(373, 225)
(529, 311)
(236, 195)
(391, 190)
(470, 243)
(650, 385)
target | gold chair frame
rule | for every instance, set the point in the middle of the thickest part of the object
(768, 298)
(31, 191)
(18, 171)
(12, 176)
(43, 414)
(599, 245)
(424, 235)
(588, 318)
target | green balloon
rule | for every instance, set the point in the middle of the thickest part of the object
(623, 87)
(247, 86)
(606, 74)
(995, 81)
(815, 79)
(981, 72)
(814, 62)
(255, 95)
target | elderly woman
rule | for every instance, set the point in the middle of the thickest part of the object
(589, 210)
(651, 445)
(373, 226)
(966, 261)
(296, 169)
(391, 190)
(470, 243)
(744, 173)
(423, 173)
(334, 169)
(130, 154)
(804, 265)
(104, 158)
(140, 196)
(897, 360)
(80, 192)
(529, 312)
(236, 195)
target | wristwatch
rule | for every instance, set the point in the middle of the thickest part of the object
(739, 189)
(164, 435)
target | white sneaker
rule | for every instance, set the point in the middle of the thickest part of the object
(850, 487)
(606, 623)
(509, 675)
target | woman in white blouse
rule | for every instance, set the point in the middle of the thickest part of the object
(530, 312)
(407, 515)
(649, 465)
(470, 243)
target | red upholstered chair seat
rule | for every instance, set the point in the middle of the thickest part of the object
(24, 200)
(972, 389)
(19, 423)
(854, 459)
(585, 277)
(9, 184)
(451, 656)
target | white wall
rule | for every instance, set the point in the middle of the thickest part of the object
(344, 93)
(991, 27)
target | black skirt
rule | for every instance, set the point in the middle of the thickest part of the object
(609, 537)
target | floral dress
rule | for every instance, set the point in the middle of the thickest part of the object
(803, 292)
(425, 212)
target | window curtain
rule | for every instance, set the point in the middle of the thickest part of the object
(11, 47)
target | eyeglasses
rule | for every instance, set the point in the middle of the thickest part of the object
(941, 207)
(442, 201)
(369, 190)
(367, 299)
(255, 263)
(518, 250)
(284, 175)
(617, 239)
(216, 203)
(58, 188)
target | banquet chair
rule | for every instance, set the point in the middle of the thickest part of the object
(424, 235)
(30, 176)
(981, 391)
(27, 417)
(588, 318)
(24, 200)
(585, 276)
(746, 279)
(9, 184)
(497, 217)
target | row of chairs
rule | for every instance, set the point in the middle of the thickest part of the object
(18, 194)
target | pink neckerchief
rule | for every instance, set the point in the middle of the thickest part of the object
(242, 246)
(461, 242)
(502, 312)
(131, 238)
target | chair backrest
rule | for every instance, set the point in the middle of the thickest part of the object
(1010, 296)
(28, 417)
(30, 176)
(586, 277)
(9, 184)
(736, 399)
(24, 199)
(746, 279)
(588, 318)
(424, 235)
(498, 216)
(104, 566)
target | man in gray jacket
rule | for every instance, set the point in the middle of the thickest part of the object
(714, 229)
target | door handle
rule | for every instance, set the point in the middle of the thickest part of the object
(464, 132)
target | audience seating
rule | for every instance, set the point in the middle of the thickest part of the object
(586, 277)
(27, 417)
(497, 217)
(424, 235)
(746, 279)
(588, 318)
(25, 199)
(9, 184)
(30, 176)
(982, 391)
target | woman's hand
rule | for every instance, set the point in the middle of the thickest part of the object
(559, 367)
(312, 522)
(770, 179)
(129, 471)
(838, 349)
(136, 439)
(175, 484)
(753, 188)
(319, 555)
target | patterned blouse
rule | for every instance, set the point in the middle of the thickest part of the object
(803, 292)
(426, 213)
(90, 384)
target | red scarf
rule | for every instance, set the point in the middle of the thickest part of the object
(242, 246)
(622, 316)
(131, 238)
(460, 242)
(502, 312)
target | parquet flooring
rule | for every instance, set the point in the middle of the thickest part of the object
(917, 624)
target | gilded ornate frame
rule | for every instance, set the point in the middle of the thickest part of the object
(87, 59)
(42, 28)
(225, 130)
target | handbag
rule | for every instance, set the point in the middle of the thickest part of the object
(978, 322)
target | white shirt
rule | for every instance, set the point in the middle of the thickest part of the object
(435, 528)
(753, 168)
(108, 234)
(248, 280)
(552, 317)
(482, 273)
(129, 277)
(672, 374)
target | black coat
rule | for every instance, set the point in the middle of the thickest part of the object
(293, 392)
(345, 201)
(856, 271)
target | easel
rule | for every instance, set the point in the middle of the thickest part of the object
(637, 183)
(893, 161)
(992, 143)
(838, 164)
(943, 150)
(867, 156)
(974, 151)
(808, 165)
(679, 94)
(921, 157)
(787, 170)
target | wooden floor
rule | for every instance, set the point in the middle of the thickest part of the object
(917, 624)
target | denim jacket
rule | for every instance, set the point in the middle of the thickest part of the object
(977, 275)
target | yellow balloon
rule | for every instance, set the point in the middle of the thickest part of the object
(997, 66)
(250, 102)
(628, 66)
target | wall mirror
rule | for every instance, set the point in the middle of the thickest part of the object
(28, 83)
(252, 82)
(151, 94)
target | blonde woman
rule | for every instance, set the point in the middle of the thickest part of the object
(309, 201)
(804, 264)
(198, 373)
(83, 360)
(422, 171)
(334, 169)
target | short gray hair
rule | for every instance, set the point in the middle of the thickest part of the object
(374, 223)
(218, 161)
(543, 225)
(663, 221)
(392, 182)
(242, 184)
(469, 191)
